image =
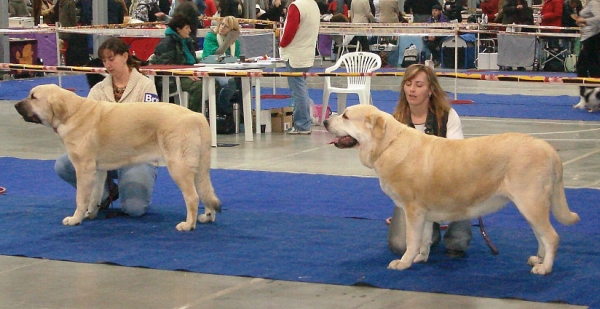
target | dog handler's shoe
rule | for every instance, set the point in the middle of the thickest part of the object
(293, 130)
(113, 195)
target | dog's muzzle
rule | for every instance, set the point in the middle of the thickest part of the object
(23, 111)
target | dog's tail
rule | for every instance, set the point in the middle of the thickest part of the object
(560, 208)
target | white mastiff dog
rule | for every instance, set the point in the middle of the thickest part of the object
(101, 136)
(436, 179)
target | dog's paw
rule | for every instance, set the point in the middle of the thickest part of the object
(70, 221)
(207, 218)
(540, 269)
(421, 258)
(534, 260)
(398, 265)
(185, 227)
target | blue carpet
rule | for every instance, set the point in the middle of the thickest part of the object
(485, 105)
(328, 230)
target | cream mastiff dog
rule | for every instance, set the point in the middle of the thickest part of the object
(101, 136)
(436, 179)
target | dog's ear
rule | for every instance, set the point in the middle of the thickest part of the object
(56, 102)
(377, 125)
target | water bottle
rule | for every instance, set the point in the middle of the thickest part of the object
(236, 117)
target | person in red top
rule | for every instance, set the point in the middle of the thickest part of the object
(211, 10)
(552, 13)
(489, 8)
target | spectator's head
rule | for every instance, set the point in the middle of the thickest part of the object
(436, 11)
(181, 24)
(114, 54)
(339, 18)
(420, 86)
(227, 24)
(574, 4)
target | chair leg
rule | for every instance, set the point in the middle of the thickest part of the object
(325, 103)
(185, 98)
(341, 97)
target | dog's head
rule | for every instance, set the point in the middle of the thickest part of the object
(46, 104)
(590, 99)
(365, 127)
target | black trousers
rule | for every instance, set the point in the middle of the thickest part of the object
(588, 62)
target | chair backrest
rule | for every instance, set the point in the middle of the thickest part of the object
(360, 62)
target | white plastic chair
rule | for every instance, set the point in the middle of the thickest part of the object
(356, 62)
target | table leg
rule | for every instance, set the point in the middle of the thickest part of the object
(212, 108)
(257, 104)
(165, 89)
(247, 99)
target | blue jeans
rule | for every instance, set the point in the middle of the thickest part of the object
(300, 99)
(457, 236)
(136, 183)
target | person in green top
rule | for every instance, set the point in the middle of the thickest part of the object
(177, 47)
(223, 40)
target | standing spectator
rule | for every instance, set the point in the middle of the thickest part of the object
(433, 43)
(201, 5)
(388, 11)
(571, 10)
(297, 48)
(116, 11)
(164, 6)
(211, 10)
(424, 106)
(230, 8)
(517, 12)
(47, 12)
(17, 8)
(145, 10)
(420, 9)
(177, 48)
(361, 13)
(332, 8)
(489, 8)
(453, 11)
(552, 16)
(588, 63)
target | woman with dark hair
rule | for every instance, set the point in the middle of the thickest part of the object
(123, 84)
(424, 105)
(177, 47)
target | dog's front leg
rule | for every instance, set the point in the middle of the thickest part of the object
(425, 243)
(96, 197)
(415, 225)
(86, 177)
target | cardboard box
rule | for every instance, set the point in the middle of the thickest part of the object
(265, 121)
(281, 119)
(20, 22)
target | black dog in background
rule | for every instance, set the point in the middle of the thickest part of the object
(94, 78)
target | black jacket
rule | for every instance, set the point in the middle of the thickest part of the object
(170, 51)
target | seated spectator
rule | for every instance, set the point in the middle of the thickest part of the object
(223, 39)
(275, 13)
(453, 11)
(177, 48)
(17, 8)
(47, 12)
(490, 9)
(433, 43)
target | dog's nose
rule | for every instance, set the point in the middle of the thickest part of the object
(326, 123)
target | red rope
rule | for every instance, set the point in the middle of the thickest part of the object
(2, 190)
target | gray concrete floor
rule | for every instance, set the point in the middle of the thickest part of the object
(38, 283)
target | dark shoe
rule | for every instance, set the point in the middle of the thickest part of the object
(113, 195)
(455, 253)
(520, 69)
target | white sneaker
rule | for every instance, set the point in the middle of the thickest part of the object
(293, 130)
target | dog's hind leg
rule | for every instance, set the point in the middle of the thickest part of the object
(206, 191)
(536, 210)
(183, 175)
(415, 226)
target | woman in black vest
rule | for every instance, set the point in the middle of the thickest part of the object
(424, 106)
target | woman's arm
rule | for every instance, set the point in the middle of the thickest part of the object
(454, 126)
(231, 37)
